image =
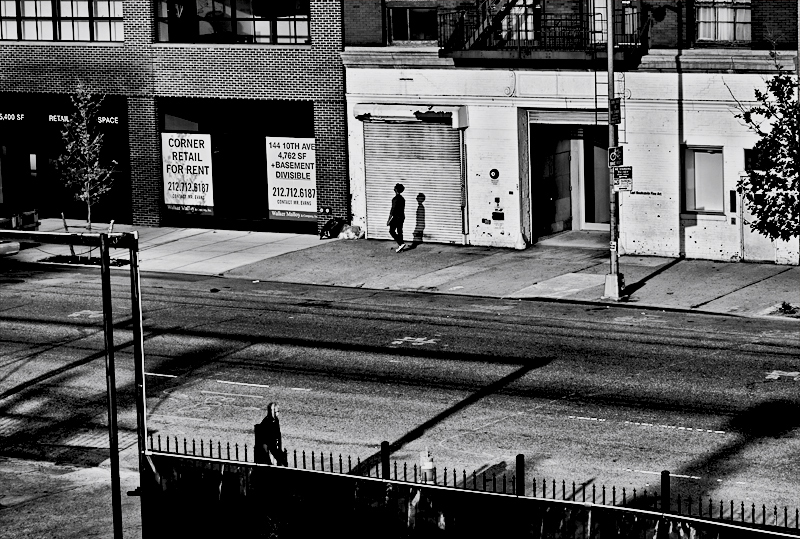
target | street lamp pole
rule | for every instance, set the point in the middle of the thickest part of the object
(614, 280)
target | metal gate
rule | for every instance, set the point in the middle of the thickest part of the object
(426, 158)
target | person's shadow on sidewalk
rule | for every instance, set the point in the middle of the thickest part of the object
(419, 227)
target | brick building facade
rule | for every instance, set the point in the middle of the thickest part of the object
(217, 75)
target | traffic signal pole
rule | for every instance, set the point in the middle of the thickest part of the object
(614, 280)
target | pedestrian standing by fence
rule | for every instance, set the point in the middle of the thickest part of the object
(268, 438)
(397, 217)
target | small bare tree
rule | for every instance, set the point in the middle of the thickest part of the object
(79, 164)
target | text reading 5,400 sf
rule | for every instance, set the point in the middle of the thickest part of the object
(293, 192)
(187, 187)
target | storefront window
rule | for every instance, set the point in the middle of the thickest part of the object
(703, 185)
(65, 20)
(234, 21)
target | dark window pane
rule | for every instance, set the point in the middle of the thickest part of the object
(399, 24)
(422, 23)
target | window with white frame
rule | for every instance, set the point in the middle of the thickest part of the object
(727, 21)
(61, 20)
(703, 180)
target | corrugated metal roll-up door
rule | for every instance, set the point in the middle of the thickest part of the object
(426, 159)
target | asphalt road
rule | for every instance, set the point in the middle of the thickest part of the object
(591, 394)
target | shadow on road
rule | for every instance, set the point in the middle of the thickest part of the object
(415, 433)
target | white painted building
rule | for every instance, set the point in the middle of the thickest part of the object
(504, 156)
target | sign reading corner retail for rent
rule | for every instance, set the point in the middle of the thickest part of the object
(292, 178)
(187, 171)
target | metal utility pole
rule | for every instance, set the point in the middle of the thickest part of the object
(105, 242)
(614, 280)
(111, 386)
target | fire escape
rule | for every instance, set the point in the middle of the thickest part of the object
(522, 30)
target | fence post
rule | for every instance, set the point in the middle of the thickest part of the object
(665, 497)
(520, 475)
(385, 460)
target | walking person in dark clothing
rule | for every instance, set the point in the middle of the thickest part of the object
(268, 438)
(397, 217)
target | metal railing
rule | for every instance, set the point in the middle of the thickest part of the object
(526, 28)
(508, 484)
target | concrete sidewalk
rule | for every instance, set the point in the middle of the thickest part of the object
(567, 267)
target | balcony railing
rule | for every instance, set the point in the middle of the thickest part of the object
(527, 28)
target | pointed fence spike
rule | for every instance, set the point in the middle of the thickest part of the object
(236, 449)
(444, 476)
(229, 451)
(245, 453)
(159, 442)
(184, 446)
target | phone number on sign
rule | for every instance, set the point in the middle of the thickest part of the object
(186, 187)
(293, 192)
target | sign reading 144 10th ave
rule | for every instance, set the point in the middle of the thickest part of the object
(187, 171)
(292, 181)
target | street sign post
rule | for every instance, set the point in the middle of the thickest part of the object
(615, 156)
(623, 178)
(615, 111)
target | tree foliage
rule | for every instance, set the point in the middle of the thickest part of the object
(79, 165)
(770, 188)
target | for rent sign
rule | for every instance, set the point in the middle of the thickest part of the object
(292, 181)
(187, 170)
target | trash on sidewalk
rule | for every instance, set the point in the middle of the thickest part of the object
(351, 233)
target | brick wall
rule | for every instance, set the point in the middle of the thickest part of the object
(774, 21)
(363, 22)
(143, 70)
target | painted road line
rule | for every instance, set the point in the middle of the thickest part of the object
(241, 384)
(582, 418)
(160, 375)
(232, 394)
(299, 389)
(675, 427)
(648, 472)
(167, 416)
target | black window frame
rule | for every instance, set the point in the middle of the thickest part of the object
(55, 19)
(229, 21)
(392, 18)
(685, 179)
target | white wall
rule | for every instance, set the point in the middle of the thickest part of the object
(654, 131)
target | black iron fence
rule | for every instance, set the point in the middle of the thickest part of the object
(528, 28)
(511, 484)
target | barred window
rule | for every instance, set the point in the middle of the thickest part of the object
(233, 21)
(723, 21)
(60, 20)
